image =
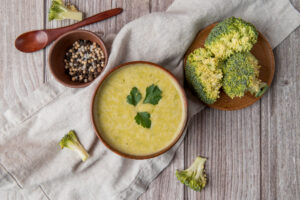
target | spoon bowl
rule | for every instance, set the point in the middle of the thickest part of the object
(32, 41)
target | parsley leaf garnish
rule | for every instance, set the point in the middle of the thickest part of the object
(134, 97)
(143, 119)
(153, 94)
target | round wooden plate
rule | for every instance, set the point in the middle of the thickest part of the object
(264, 54)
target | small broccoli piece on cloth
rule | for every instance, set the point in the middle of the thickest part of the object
(230, 36)
(241, 72)
(194, 177)
(59, 11)
(71, 141)
(202, 71)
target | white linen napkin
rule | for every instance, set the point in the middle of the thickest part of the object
(31, 161)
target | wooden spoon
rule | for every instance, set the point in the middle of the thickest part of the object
(36, 40)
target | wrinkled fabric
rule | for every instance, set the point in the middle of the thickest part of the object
(31, 162)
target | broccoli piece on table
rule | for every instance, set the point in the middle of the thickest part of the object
(241, 72)
(70, 141)
(59, 11)
(231, 36)
(202, 71)
(194, 177)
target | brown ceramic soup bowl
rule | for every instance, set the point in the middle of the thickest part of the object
(110, 113)
(58, 50)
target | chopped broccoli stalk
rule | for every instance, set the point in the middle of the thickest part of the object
(263, 88)
(70, 141)
(241, 72)
(230, 36)
(194, 177)
(59, 11)
(202, 71)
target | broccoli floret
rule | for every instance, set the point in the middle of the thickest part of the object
(231, 36)
(59, 11)
(241, 72)
(70, 141)
(194, 177)
(203, 73)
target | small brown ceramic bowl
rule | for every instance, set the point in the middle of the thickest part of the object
(58, 50)
(138, 157)
(263, 53)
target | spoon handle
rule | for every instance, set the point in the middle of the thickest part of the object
(55, 33)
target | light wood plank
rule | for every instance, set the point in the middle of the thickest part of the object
(12, 195)
(132, 10)
(236, 167)
(166, 186)
(280, 124)
(20, 73)
(159, 5)
(231, 142)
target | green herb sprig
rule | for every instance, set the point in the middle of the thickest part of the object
(143, 119)
(134, 97)
(153, 96)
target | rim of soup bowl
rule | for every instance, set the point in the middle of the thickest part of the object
(132, 156)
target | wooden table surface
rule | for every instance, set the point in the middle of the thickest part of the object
(252, 153)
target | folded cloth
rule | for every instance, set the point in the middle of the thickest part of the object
(30, 158)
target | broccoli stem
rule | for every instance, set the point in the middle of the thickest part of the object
(78, 148)
(262, 90)
(72, 15)
(197, 167)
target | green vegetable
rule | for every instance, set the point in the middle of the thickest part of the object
(59, 11)
(263, 88)
(134, 97)
(194, 177)
(143, 119)
(241, 72)
(153, 94)
(70, 141)
(231, 36)
(202, 71)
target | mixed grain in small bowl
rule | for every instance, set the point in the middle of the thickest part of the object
(84, 61)
(77, 58)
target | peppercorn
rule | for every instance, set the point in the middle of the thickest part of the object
(84, 61)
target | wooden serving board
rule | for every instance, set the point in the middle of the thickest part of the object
(261, 50)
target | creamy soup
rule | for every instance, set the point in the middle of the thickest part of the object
(115, 117)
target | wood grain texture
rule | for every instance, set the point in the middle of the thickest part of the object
(20, 73)
(252, 153)
(231, 142)
(159, 5)
(280, 125)
(12, 195)
(166, 186)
